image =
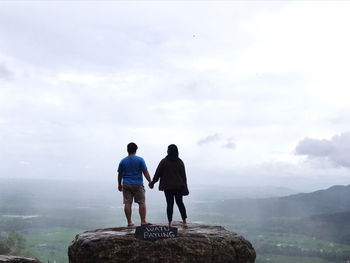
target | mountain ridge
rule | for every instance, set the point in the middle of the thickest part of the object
(334, 199)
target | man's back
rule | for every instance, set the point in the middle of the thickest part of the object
(131, 167)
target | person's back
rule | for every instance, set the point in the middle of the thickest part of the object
(172, 175)
(132, 167)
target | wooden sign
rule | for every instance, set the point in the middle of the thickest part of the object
(153, 232)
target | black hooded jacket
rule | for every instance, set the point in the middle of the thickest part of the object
(172, 176)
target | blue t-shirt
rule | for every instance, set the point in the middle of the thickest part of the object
(131, 167)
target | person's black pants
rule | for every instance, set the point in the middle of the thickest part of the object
(170, 195)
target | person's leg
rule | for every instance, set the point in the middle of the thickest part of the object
(127, 203)
(181, 206)
(170, 206)
(142, 211)
(127, 210)
(140, 198)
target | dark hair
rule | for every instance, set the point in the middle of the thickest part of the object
(132, 147)
(173, 153)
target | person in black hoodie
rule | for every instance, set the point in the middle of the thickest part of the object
(173, 181)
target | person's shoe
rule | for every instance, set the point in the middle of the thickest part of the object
(146, 224)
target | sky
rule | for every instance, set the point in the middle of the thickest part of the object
(252, 92)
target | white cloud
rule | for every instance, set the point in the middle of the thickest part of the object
(5, 73)
(210, 138)
(314, 147)
(230, 144)
(335, 150)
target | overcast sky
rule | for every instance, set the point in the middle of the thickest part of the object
(253, 93)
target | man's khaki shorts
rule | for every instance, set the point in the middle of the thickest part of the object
(136, 192)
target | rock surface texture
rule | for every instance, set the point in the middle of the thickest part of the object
(195, 243)
(13, 259)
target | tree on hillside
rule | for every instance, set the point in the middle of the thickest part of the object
(12, 244)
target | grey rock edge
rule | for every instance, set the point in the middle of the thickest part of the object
(14, 259)
(195, 243)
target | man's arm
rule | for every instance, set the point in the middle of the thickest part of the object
(146, 174)
(120, 186)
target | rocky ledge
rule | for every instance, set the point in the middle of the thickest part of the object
(194, 243)
(13, 259)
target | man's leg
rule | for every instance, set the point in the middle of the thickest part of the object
(127, 195)
(142, 211)
(140, 198)
(127, 210)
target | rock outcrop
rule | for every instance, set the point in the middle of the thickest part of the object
(195, 243)
(14, 259)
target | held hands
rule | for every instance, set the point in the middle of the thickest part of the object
(151, 185)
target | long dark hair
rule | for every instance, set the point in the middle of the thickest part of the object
(173, 153)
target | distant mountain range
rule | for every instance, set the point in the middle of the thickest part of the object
(324, 214)
(335, 199)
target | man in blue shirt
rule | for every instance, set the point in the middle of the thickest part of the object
(130, 171)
